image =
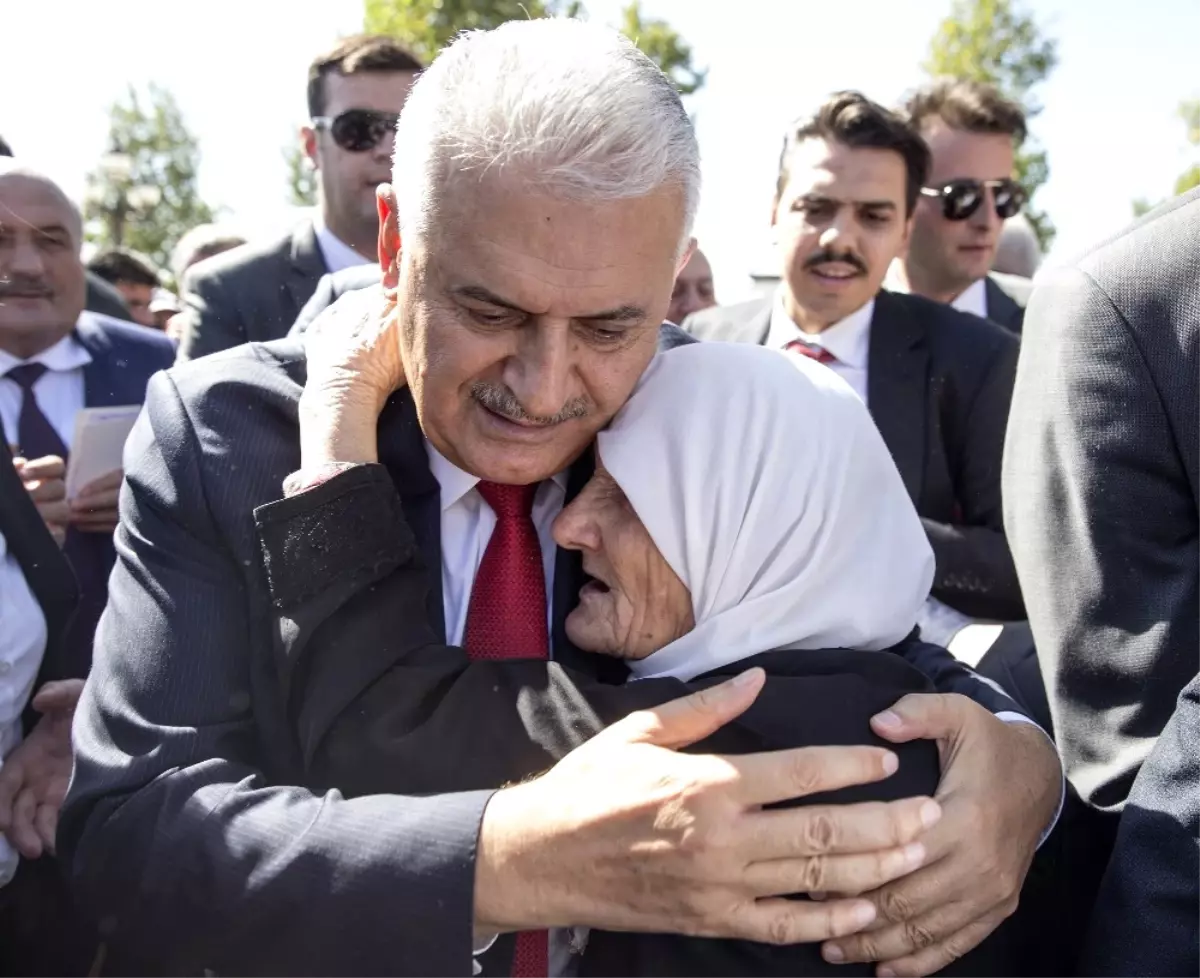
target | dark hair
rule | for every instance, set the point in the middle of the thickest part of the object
(5, 149)
(361, 53)
(124, 265)
(852, 119)
(971, 106)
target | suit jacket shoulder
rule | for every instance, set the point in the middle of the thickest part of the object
(331, 288)
(1016, 287)
(959, 337)
(746, 322)
(251, 293)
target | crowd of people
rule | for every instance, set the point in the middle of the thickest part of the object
(478, 595)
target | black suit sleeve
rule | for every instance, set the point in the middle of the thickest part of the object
(1145, 922)
(1102, 518)
(174, 834)
(975, 572)
(211, 319)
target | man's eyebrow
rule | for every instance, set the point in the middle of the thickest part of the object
(619, 314)
(878, 204)
(480, 294)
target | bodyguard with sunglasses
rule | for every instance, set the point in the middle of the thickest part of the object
(972, 132)
(254, 293)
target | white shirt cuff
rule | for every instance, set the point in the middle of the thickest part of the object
(1008, 716)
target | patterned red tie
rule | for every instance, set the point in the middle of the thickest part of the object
(818, 353)
(506, 619)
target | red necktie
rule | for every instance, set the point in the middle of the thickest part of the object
(506, 619)
(818, 353)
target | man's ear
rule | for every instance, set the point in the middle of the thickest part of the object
(686, 256)
(389, 236)
(308, 142)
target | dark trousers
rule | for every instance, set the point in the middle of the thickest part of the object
(42, 932)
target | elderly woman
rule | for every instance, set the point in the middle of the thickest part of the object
(764, 527)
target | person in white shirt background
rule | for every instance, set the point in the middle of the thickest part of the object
(972, 132)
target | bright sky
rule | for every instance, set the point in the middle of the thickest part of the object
(237, 68)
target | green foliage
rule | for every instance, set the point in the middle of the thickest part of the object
(302, 178)
(426, 26)
(995, 41)
(144, 194)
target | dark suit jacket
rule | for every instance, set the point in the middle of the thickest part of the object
(366, 731)
(1007, 297)
(330, 289)
(938, 386)
(45, 568)
(104, 298)
(251, 293)
(124, 357)
(1101, 485)
(189, 821)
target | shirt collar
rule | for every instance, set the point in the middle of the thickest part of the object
(973, 298)
(848, 339)
(64, 356)
(455, 483)
(337, 254)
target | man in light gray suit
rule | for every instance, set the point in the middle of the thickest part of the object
(1101, 489)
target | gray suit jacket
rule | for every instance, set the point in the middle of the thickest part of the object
(251, 293)
(1007, 297)
(1101, 488)
(938, 388)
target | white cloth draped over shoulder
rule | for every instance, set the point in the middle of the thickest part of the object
(763, 481)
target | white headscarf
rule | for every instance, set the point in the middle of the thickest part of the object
(763, 481)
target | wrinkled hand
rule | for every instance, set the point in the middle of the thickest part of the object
(94, 510)
(34, 779)
(1001, 785)
(43, 479)
(626, 833)
(353, 355)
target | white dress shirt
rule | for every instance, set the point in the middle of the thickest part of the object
(59, 391)
(848, 340)
(22, 645)
(337, 254)
(972, 299)
(467, 525)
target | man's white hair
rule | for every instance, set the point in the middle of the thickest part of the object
(573, 109)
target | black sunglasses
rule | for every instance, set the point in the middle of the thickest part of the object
(962, 198)
(358, 130)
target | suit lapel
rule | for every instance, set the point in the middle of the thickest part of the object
(307, 266)
(1001, 308)
(402, 450)
(43, 565)
(103, 386)
(897, 375)
(756, 327)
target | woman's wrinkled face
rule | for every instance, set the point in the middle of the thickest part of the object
(634, 604)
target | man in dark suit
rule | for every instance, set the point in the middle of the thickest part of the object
(936, 381)
(526, 312)
(972, 132)
(56, 359)
(40, 930)
(1101, 478)
(256, 291)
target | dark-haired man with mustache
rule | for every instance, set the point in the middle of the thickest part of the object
(937, 381)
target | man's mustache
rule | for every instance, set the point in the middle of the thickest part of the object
(825, 256)
(24, 286)
(500, 400)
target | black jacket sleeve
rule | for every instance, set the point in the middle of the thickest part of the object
(175, 835)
